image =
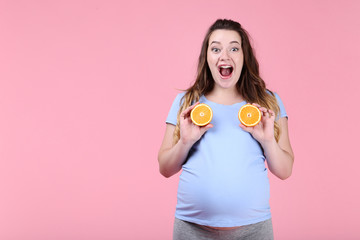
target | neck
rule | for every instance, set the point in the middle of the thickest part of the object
(226, 96)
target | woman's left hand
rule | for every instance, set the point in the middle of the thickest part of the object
(264, 130)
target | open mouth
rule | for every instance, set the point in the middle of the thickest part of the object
(225, 70)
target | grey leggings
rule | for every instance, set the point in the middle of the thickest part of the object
(189, 231)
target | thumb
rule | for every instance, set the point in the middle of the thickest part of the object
(245, 128)
(205, 128)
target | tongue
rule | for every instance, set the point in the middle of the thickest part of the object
(225, 71)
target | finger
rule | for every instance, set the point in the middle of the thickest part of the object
(247, 129)
(205, 128)
(210, 125)
(262, 109)
(271, 113)
(266, 114)
(195, 104)
(257, 105)
(188, 110)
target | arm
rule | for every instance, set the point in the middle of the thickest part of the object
(171, 157)
(279, 155)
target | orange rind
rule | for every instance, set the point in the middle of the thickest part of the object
(201, 114)
(249, 115)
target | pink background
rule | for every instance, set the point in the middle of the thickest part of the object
(85, 87)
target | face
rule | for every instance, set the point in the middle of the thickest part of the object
(225, 58)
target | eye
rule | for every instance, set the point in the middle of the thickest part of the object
(234, 49)
(215, 50)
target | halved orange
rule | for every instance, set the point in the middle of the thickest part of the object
(249, 115)
(201, 114)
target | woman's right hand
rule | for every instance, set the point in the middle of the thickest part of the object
(189, 132)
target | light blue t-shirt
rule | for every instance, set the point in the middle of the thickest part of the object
(224, 180)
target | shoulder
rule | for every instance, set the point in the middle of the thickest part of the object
(179, 98)
(175, 107)
(181, 95)
(276, 95)
(280, 104)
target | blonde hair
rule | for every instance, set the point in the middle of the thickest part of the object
(250, 85)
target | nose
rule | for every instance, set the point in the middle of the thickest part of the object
(224, 55)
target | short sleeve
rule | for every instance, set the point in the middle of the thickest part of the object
(281, 106)
(172, 116)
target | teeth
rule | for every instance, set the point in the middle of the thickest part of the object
(225, 66)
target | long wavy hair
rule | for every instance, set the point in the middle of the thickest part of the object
(250, 85)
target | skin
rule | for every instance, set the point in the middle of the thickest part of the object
(225, 48)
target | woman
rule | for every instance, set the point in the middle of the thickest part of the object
(223, 189)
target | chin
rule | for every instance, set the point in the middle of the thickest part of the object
(226, 83)
(227, 86)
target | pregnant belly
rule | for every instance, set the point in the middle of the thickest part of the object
(223, 196)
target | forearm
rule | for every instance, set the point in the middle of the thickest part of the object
(279, 161)
(172, 159)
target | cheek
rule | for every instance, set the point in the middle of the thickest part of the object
(211, 60)
(240, 60)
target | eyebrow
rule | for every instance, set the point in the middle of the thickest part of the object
(219, 42)
(214, 42)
